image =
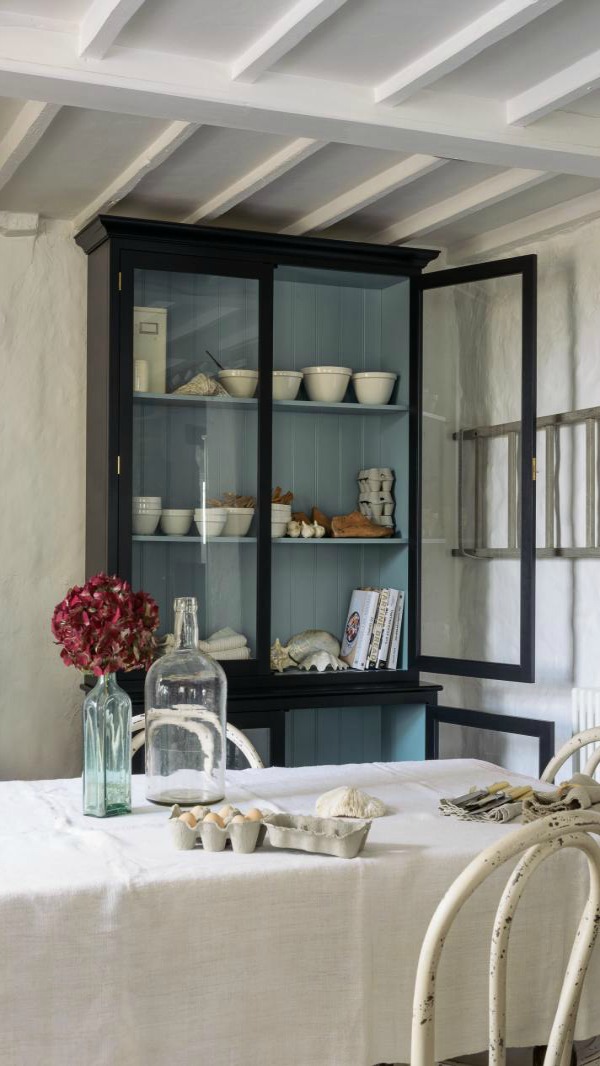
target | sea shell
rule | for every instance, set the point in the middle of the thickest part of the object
(322, 660)
(301, 645)
(202, 385)
(349, 803)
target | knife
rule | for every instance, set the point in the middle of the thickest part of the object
(509, 795)
(472, 797)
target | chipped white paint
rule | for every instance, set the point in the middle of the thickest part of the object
(575, 744)
(535, 842)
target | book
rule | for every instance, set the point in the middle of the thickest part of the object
(387, 629)
(377, 633)
(392, 660)
(358, 628)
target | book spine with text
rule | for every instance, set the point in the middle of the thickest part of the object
(378, 625)
(387, 629)
(396, 629)
(364, 641)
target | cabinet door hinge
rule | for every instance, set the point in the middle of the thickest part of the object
(118, 465)
(120, 281)
(534, 469)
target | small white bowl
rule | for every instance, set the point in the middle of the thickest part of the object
(146, 505)
(178, 512)
(239, 383)
(175, 525)
(279, 510)
(374, 386)
(144, 525)
(210, 523)
(278, 529)
(238, 521)
(286, 384)
(326, 384)
(152, 500)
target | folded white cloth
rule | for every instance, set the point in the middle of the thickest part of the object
(230, 653)
(579, 793)
(507, 812)
(223, 640)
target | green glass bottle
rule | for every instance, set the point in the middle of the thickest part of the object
(106, 749)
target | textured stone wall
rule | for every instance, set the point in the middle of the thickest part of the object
(42, 475)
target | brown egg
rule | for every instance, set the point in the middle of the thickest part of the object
(213, 817)
(254, 815)
(238, 819)
(198, 812)
(226, 811)
(189, 819)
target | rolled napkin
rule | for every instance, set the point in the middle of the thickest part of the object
(506, 812)
(579, 793)
(223, 640)
(349, 803)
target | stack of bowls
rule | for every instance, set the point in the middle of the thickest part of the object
(238, 521)
(210, 521)
(146, 514)
(281, 514)
(326, 384)
(176, 522)
(240, 383)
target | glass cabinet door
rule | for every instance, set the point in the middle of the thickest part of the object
(340, 452)
(193, 489)
(477, 500)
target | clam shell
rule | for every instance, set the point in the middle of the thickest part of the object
(322, 660)
(312, 640)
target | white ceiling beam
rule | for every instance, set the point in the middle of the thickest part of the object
(156, 153)
(256, 179)
(416, 166)
(504, 19)
(21, 138)
(542, 224)
(304, 17)
(102, 24)
(484, 194)
(41, 65)
(555, 92)
(18, 224)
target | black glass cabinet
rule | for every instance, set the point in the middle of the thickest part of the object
(458, 435)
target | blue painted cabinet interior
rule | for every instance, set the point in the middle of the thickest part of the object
(318, 736)
(186, 451)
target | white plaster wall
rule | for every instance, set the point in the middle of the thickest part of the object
(568, 592)
(42, 476)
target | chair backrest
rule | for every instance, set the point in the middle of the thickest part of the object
(534, 842)
(234, 736)
(576, 743)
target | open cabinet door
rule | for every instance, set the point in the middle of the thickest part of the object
(475, 513)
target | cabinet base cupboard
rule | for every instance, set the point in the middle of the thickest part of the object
(206, 436)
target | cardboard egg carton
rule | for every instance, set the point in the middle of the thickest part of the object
(375, 495)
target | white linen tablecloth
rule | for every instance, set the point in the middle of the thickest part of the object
(118, 950)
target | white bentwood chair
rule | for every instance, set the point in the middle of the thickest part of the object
(234, 735)
(534, 842)
(576, 743)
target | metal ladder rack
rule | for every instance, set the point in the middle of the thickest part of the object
(550, 425)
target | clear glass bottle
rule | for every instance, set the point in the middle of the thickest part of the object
(106, 749)
(186, 699)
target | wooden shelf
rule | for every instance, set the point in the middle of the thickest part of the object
(298, 406)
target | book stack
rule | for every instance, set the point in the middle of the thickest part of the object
(371, 638)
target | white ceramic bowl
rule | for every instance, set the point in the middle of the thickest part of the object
(240, 383)
(176, 525)
(326, 384)
(280, 509)
(210, 523)
(144, 525)
(278, 529)
(238, 521)
(286, 384)
(178, 512)
(146, 503)
(374, 386)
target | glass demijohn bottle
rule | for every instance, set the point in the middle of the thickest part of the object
(186, 698)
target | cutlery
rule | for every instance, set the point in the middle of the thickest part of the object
(472, 797)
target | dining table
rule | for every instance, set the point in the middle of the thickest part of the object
(117, 949)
